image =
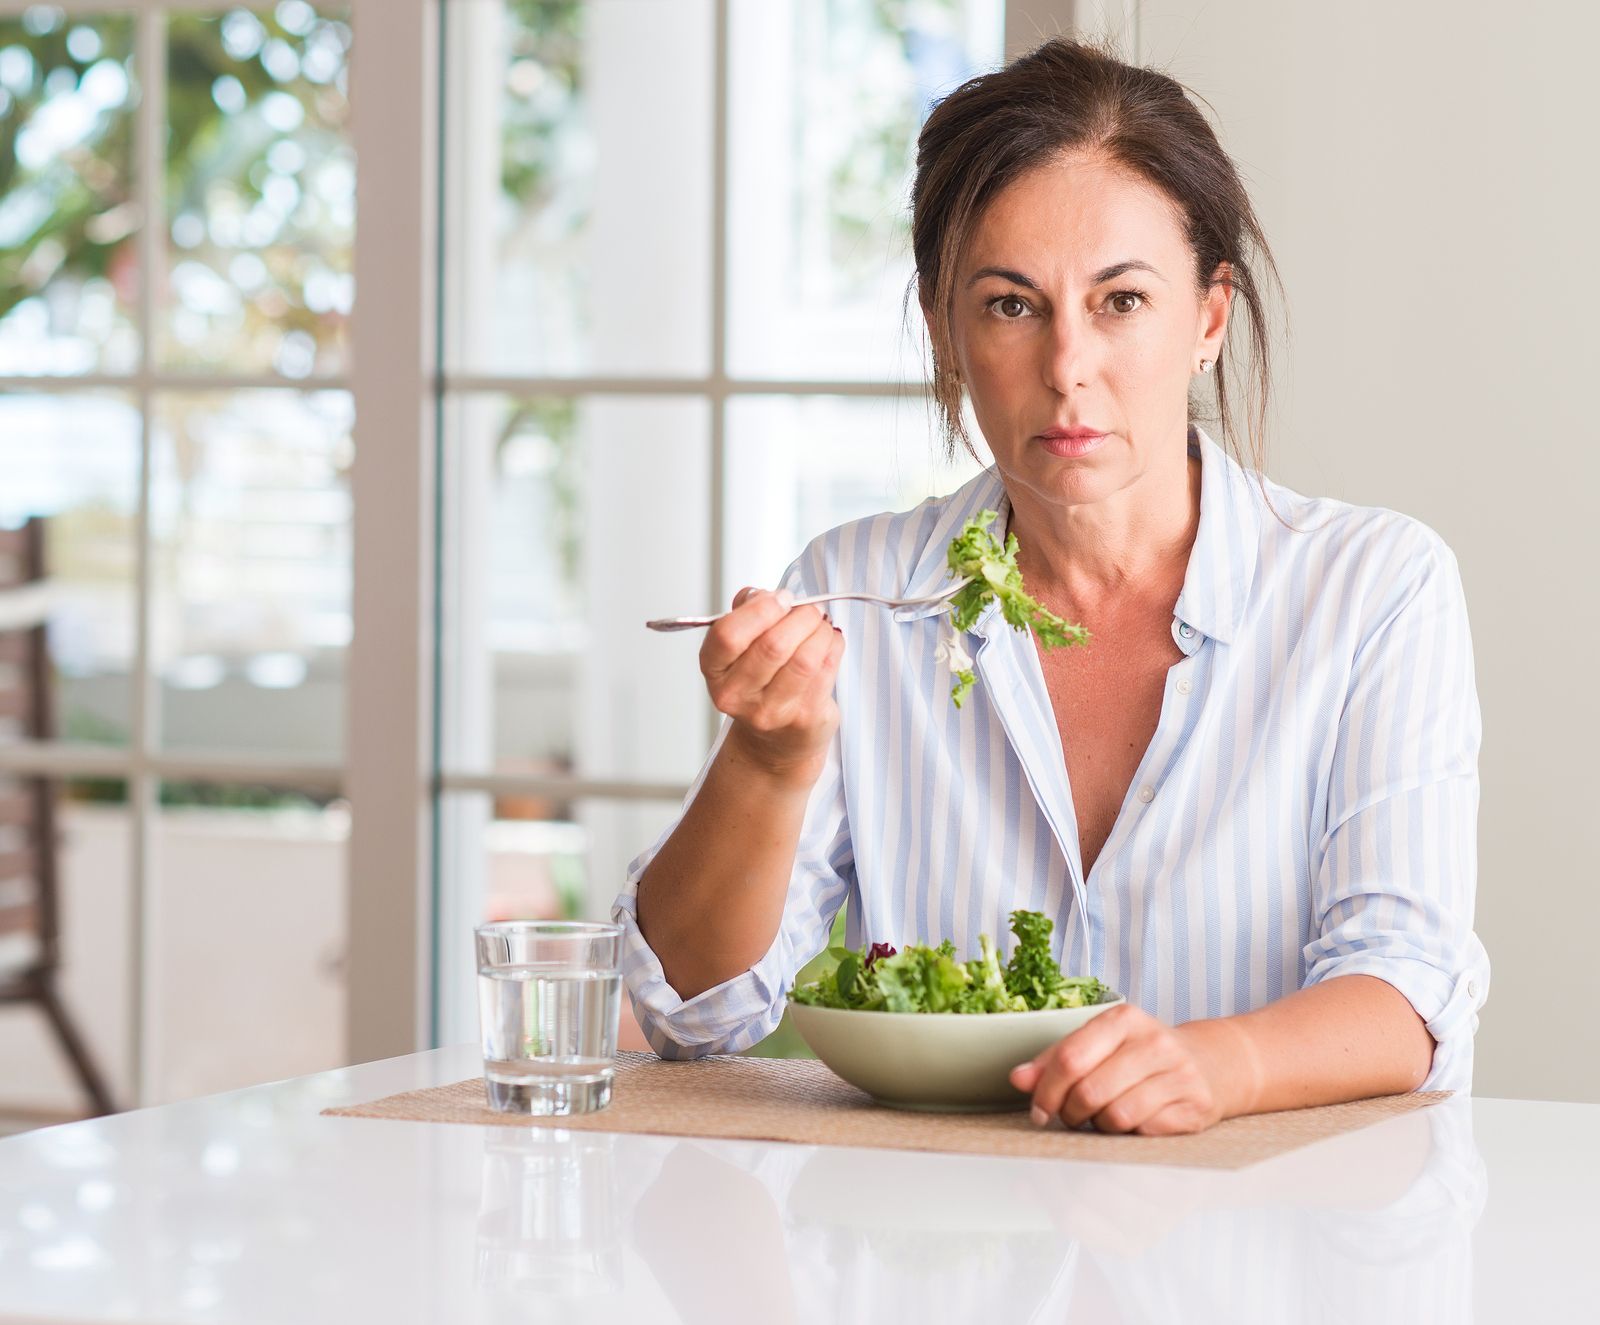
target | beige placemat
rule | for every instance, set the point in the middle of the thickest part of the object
(800, 1100)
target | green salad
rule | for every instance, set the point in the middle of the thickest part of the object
(879, 978)
(977, 552)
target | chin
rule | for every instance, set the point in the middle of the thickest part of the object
(1067, 485)
(1080, 494)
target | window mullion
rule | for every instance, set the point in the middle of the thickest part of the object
(143, 789)
(718, 385)
(393, 377)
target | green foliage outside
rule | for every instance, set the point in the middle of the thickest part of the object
(255, 114)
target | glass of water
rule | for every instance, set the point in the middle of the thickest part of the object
(549, 995)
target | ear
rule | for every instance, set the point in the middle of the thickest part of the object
(1215, 307)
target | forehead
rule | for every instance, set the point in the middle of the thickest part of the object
(1070, 213)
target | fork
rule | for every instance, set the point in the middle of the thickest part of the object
(693, 622)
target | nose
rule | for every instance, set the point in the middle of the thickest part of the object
(1068, 347)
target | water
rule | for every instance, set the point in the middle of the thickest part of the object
(549, 1037)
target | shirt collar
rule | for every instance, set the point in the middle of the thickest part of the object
(1222, 562)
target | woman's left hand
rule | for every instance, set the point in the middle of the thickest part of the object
(1128, 1072)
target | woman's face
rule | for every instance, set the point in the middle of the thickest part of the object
(1075, 306)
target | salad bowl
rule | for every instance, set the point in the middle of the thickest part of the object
(939, 1062)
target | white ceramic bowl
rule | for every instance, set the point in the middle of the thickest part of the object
(943, 1062)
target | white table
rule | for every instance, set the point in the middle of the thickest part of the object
(251, 1207)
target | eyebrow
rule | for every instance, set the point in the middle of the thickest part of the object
(1110, 273)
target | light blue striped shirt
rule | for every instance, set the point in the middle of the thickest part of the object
(1307, 807)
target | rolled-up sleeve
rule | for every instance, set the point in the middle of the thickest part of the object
(1395, 873)
(746, 1008)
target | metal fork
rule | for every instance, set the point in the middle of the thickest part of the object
(694, 622)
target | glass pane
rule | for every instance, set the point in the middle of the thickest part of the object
(68, 260)
(820, 167)
(260, 192)
(71, 461)
(248, 947)
(92, 855)
(577, 179)
(519, 856)
(799, 465)
(250, 507)
(570, 523)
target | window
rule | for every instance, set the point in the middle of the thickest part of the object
(176, 231)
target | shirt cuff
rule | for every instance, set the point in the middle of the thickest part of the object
(734, 1015)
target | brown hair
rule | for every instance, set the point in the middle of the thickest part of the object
(1076, 96)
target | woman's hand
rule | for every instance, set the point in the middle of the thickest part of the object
(771, 668)
(1125, 1071)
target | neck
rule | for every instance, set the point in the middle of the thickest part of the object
(1136, 541)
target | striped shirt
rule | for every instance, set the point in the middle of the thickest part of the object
(1307, 807)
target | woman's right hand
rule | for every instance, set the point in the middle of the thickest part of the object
(771, 668)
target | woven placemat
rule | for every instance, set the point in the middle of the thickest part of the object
(800, 1100)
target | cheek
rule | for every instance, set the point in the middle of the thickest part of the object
(995, 370)
(999, 393)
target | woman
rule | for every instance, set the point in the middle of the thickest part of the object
(1249, 802)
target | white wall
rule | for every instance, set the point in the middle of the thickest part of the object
(246, 956)
(1426, 173)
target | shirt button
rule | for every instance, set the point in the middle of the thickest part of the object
(1185, 686)
(1147, 794)
(1472, 988)
(1186, 630)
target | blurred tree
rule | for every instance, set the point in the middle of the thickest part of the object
(257, 165)
(545, 88)
(65, 186)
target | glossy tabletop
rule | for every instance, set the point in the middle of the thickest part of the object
(251, 1207)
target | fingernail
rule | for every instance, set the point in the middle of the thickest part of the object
(1020, 1066)
(785, 599)
(1039, 1116)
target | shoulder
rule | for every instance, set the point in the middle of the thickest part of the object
(1359, 559)
(893, 552)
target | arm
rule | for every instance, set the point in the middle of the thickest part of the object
(1345, 1039)
(1348, 1038)
(736, 1011)
(1394, 873)
(711, 901)
(724, 908)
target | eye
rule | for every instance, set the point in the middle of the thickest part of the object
(1128, 294)
(1002, 304)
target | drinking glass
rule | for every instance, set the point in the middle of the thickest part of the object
(549, 995)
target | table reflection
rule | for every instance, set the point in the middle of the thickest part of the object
(548, 1220)
(1375, 1225)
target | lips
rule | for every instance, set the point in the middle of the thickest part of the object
(1069, 443)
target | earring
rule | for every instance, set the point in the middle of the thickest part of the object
(1205, 365)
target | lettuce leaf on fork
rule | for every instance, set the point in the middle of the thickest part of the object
(977, 553)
